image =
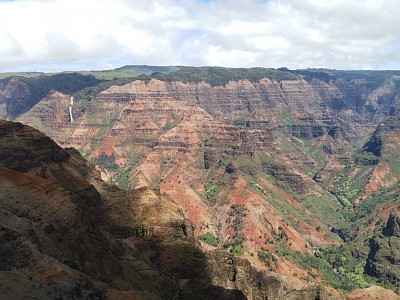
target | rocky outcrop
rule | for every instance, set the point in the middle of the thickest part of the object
(373, 292)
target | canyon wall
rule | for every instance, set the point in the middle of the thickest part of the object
(260, 166)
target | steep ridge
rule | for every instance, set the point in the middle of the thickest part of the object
(14, 95)
(260, 167)
(66, 234)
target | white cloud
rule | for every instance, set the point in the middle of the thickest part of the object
(76, 34)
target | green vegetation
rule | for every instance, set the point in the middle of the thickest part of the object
(88, 93)
(344, 193)
(8, 75)
(217, 162)
(350, 182)
(315, 74)
(281, 204)
(314, 152)
(267, 258)
(209, 239)
(218, 76)
(172, 121)
(326, 208)
(367, 206)
(340, 273)
(67, 83)
(145, 69)
(285, 179)
(211, 191)
(287, 118)
(393, 159)
(235, 248)
(83, 85)
(238, 249)
(304, 150)
(155, 184)
(127, 72)
(237, 213)
(106, 162)
(248, 166)
(109, 75)
(123, 177)
(368, 78)
(366, 159)
(38, 124)
(40, 86)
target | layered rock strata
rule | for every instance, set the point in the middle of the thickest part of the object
(66, 234)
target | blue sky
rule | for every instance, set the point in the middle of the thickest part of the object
(55, 35)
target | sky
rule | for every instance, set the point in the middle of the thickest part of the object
(57, 35)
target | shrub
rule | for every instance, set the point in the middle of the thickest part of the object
(106, 161)
(209, 239)
(266, 257)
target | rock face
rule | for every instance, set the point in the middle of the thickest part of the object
(373, 292)
(14, 98)
(393, 226)
(384, 257)
(66, 234)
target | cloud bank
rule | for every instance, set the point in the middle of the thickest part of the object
(52, 35)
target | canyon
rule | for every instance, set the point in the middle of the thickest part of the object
(288, 173)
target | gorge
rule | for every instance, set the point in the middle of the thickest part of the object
(269, 183)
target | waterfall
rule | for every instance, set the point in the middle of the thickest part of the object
(71, 103)
(70, 114)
